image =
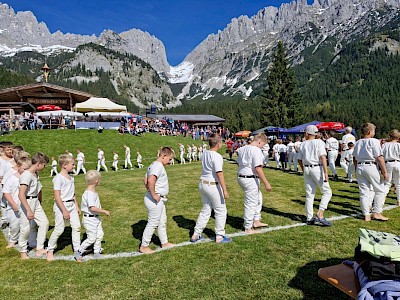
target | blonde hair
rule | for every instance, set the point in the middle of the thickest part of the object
(366, 128)
(64, 159)
(394, 135)
(167, 151)
(20, 153)
(92, 176)
(24, 162)
(348, 129)
(261, 137)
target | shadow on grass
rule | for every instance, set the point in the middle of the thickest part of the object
(235, 222)
(351, 209)
(294, 217)
(313, 287)
(346, 197)
(349, 191)
(137, 232)
(190, 224)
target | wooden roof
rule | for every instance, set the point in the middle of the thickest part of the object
(43, 93)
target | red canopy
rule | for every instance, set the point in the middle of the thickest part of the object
(243, 133)
(49, 107)
(330, 126)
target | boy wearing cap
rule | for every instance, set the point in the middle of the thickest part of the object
(312, 160)
(367, 156)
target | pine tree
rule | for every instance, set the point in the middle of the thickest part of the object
(280, 102)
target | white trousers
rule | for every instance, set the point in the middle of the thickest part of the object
(252, 200)
(313, 178)
(25, 225)
(189, 156)
(115, 165)
(101, 163)
(182, 159)
(296, 162)
(80, 167)
(332, 156)
(13, 221)
(266, 158)
(53, 171)
(276, 157)
(94, 232)
(350, 170)
(367, 176)
(157, 218)
(343, 162)
(291, 159)
(60, 226)
(393, 170)
(128, 162)
(213, 199)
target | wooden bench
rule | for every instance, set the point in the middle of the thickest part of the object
(342, 277)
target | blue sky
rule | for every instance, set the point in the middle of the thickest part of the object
(180, 24)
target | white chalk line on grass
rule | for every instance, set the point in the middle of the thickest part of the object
(187, 243)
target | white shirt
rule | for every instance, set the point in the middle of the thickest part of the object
(5, 165)
(181, 148)
(212, 163)
(157, 169)
(90, 199)
(80, 156)
(282, 148)
(65, 186)
(391, 151)
(297, 146)
(7, 174)
(290, 147)
(249, 157)
(311, 151)
(139, 158)
(115, 157)
(100, 154)
(265, 148)
(54, 163)
(11, 186)
(127, 152)
(32, 182)
(367, 150)
(347, 138)
(349, 156)
(332, 144)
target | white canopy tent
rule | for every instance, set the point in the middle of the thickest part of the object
(106, 114)
(57, 113)
(99, 105)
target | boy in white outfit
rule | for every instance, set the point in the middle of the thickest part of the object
(346, 139)
(312, 160)
(332, 149)
(213, 192)
(265, 151)
(189, 153)
(367, 155)
(30, 195)
(115, 161)
(391, 154)
(194, 152)
(139, 160)
(91, 209)
(181, 153)
(291, 153)
(54, 164)
(250, 160)
(297, 144)
(156, 182)
(65, 207)
(10, 193)
(275, 152)
(80, 158)
(6, 163)
(128, 157)
(350, 161)
(200, 149)
(101, 161)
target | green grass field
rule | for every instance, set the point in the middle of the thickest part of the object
(280, 264)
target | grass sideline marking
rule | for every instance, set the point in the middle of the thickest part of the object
(187, 243)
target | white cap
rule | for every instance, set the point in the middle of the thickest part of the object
(311, 129)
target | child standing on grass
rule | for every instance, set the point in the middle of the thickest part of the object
(91, 209)
(139, 160)
(250, 173)
(313, 162)
(65, 206)
(115, 161)
(128, 157)
(391, 154)
(30, 195)
(10, 193)
(80, 158)
(156, 182)
(367, 155)
(101, 160)
(181, 153)
(213, 192)
(53, 167)
(349, 159)
(6, 163)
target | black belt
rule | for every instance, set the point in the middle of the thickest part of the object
(367, 163)
(31, 197)
(392, 160)
(90, 216)
(247, 176)
(312, 166)
(72, 200)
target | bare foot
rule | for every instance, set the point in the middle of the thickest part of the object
(145, 250)
(380, 217)
(24, 256)
(258, 224)
(10, 245)
(367, 218)
(50, 256)
(167, 245)
(41, 252)
(250, 231)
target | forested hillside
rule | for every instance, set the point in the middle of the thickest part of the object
(9, 79)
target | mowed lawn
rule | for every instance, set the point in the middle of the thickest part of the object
(280, 264)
